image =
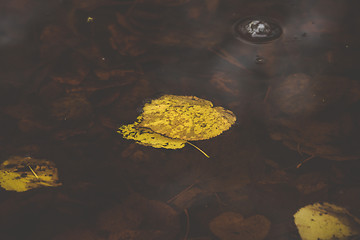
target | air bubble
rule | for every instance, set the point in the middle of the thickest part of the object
(257, 29)
(259, 60)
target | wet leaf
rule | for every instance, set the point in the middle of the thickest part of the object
(186, 117)
(311, 182)
(21, 174)
(326, 221)
(187, 198)
(225, 83)
(140, 218)
(71, 107)
(233, 226)
(147, 137)
(171, 121)
(126, 44)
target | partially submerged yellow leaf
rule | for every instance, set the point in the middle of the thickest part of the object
(171, 121)
(186, 117)
(21, 174)
(147, 137)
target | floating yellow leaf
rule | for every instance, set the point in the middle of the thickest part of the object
(21, 174)
(171, 121)
(326, 222)
(186, 117)
(147, 137)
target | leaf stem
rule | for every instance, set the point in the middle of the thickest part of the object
(33, 172)
(198, 149)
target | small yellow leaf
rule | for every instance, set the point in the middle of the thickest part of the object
(326, 221)
(21, 174)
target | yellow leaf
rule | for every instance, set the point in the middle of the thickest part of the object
(21, 174)
(327, 222)
(185, 117)
(171, 121)
(147, 137)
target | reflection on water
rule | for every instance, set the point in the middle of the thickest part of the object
(68, 83)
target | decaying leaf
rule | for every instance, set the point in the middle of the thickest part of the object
(71, 107)
(171, 121)
(326, 222)
(21, 174)
(233, 226)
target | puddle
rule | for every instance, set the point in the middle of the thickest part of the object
(74, 72)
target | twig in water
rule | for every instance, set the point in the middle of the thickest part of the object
(304, 161)
(219, 199)
(298, 147)
(187, 224)
(226, 56)
(177, 195)
(132, 8)
(267, 94)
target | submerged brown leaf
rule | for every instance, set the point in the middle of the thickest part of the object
(233, 226)
(140, 218)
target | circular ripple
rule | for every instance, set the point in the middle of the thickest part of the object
(257, 29)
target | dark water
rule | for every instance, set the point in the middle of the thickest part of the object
(69, 81)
